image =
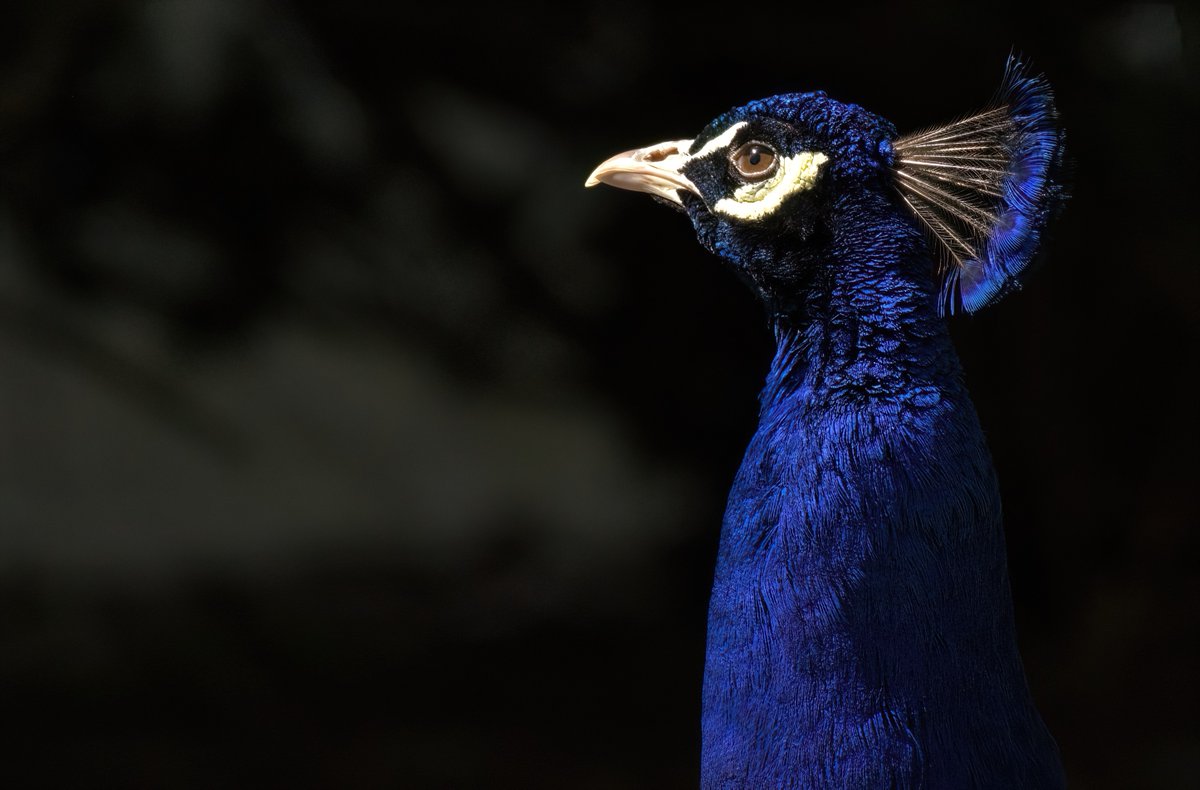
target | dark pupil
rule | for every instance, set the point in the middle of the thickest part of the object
(755, 156)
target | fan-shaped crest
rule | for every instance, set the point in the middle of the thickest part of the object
(984, 186)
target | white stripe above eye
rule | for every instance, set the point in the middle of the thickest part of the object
(720, 141)
(755, 201)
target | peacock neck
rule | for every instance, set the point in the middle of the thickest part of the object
(861, 590)
(863, 327)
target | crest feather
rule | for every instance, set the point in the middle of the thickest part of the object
(984, 187)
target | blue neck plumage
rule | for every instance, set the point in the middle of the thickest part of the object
(861, 591)
(862, 325)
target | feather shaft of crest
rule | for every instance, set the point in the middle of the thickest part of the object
(952, 166)
(968, 212)
(920, 208)
(966, 182)
(994, 112)
(983, 186)
(945, 150)
(991, 156)
(965, 134)
(923, 207)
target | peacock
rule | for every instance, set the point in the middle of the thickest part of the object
(860, 628)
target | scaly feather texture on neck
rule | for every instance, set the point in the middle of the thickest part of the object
(860, 629)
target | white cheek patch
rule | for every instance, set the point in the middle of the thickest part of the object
(754, 201)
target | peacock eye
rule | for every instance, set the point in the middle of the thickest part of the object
(754, 161)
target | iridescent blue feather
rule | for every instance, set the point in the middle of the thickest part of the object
(985, 186)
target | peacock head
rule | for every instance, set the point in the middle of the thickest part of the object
(780, 186)
(761, 182)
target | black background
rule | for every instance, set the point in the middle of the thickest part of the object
(348, 442)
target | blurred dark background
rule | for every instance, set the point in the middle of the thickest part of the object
(348, 442)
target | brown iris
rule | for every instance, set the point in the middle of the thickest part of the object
(753, 161)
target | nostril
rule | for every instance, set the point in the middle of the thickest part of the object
(659, 152)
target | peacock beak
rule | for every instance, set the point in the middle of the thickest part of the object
(655, 169)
